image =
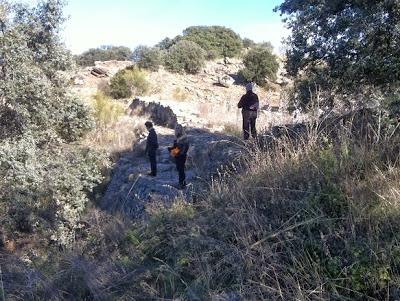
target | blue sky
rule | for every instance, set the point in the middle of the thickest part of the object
(133, 22)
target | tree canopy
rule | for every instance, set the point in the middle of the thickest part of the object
(44, 179)
(357, 42)
(260, 64)
(104, 53)
(221, 40)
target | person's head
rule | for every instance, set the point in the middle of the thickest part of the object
(148, 125)
(249, 86)
(179, 131)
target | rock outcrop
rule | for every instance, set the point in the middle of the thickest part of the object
(99, 72)
(226, 81)
(159, 114)
(131, 190)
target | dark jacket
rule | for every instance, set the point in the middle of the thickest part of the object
(183, 144)
(249, 102)
(152, 142)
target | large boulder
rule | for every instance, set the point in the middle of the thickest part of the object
(99, 72)
(226, 80)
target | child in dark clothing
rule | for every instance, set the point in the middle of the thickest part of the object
(179, 151)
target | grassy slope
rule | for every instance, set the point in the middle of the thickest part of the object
(311, 219)
(317, 220)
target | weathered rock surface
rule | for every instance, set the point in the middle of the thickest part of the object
(99, 72)
(131, 190)
(226, 81)
(158, 113)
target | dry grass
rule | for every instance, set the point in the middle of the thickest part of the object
(227, 115)
(311, 219)
(180, 94)
(119, 137)
(315, 218)
(115, 131)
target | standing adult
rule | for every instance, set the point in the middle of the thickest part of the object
(151, 148)
(249, 103)
(179, 151)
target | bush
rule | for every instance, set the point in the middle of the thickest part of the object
(148, 58)
(77, 121)
(167, 43)
(248, 43)
(260, 64)
(366, 52)
(106, 110)
(44, 191)
(128, 82)
(223, 41)
(45, 181)
(185, 56)
(104, 53)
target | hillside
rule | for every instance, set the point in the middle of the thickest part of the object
(308, 209)
(198, 94)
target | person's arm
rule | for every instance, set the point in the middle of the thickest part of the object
(240, 104)
(155, 141)
(184, 147)
(152, 141)
(173, 146)
(146, 150)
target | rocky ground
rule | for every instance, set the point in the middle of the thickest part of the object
(131, 190)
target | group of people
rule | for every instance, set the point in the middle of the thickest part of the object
(249, 103)
(178, 150)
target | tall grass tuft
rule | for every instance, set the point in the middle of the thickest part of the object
(106, 111)
(115, 130)
(180, 94)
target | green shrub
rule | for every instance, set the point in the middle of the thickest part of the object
(45, 182)
(218, 40)
(104, 53)
(185, 56)
(43, 190)
(167, 43)
(77, 121)
(260, 64)
(128, 82)
(148, 58)
(248, 43)
(212, 55)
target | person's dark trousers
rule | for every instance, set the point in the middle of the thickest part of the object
(153, 163)
(253, 127)
(180, 166)
(249, 124)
